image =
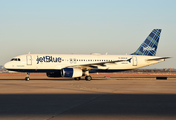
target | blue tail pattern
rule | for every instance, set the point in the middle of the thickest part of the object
(149, 46)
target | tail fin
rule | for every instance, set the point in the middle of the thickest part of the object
(149, 46)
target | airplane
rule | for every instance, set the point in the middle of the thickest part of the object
(79, 65)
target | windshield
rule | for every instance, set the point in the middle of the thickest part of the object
(15, 59)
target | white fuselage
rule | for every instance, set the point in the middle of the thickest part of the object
(54, 62)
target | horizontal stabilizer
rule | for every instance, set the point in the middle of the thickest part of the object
(155, 59)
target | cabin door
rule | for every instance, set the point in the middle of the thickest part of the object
(134, 61)
(29, 60)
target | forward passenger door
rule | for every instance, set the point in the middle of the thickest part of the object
(29, 60)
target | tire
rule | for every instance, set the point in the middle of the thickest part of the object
(88, 78)
(77, 78)
(27, 78)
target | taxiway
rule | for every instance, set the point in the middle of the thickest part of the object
(44, 98)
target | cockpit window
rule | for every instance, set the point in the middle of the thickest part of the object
(15, 59)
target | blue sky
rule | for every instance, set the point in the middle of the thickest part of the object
(85, 26)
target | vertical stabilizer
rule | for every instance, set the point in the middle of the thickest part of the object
(149, 46)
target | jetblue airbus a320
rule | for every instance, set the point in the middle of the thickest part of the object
(76, 66)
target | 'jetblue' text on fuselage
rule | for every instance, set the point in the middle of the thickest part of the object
(48, 59)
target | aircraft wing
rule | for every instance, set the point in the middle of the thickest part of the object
(156, 59)
(95, 65)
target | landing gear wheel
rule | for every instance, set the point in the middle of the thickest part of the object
(88, 78)
(27, 78)
(77, 78)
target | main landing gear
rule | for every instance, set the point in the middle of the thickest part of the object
(27, 77)
(88, 78)
(77, 78)
(85, 73)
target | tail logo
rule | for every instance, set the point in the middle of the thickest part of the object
(148, 48)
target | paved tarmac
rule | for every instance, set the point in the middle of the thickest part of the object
(44, 98)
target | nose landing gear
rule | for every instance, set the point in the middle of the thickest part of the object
(27, 77)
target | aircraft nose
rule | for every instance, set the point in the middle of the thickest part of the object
(7, 65)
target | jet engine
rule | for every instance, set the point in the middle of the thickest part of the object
(72, 72)
(66, 72)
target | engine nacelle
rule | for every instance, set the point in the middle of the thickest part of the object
(72, 72)
(54, 74)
